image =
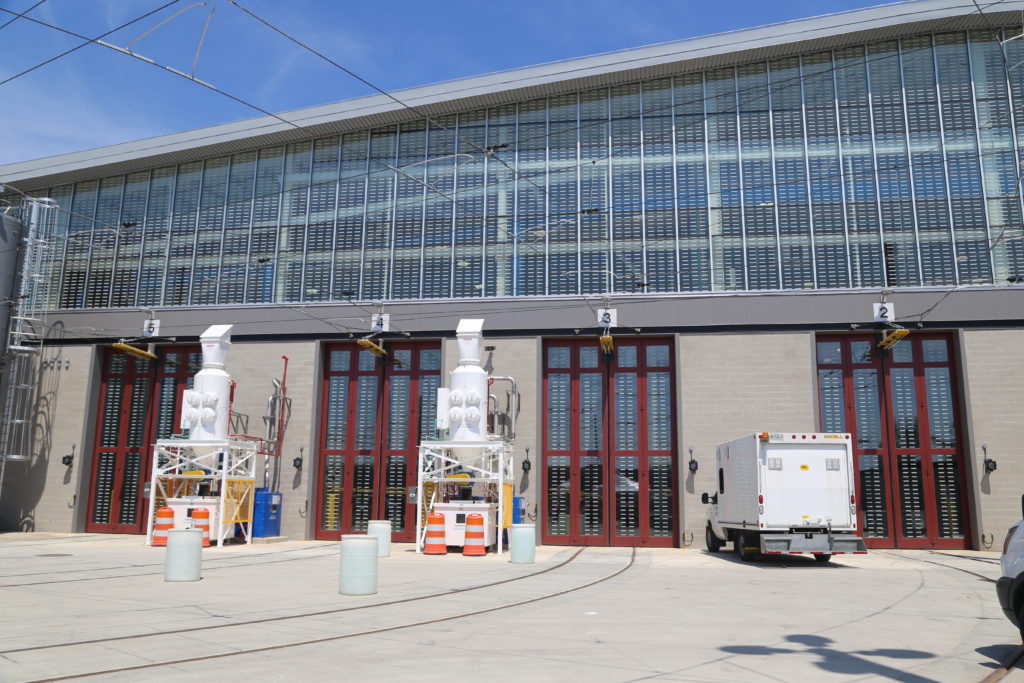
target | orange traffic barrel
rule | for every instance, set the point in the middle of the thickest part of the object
(163, 521)
(201, 521)
(474, 544)
(435, 541)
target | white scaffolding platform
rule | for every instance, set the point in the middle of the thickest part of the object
(491, 464)
(181, 465)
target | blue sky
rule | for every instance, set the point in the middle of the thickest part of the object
(95, 96)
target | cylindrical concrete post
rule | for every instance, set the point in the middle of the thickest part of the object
(381, 528)
(184, 558)
(522, 543)
(357, 574)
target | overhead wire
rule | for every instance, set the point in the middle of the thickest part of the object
(146, 60)
(20, 15)
(87, 41)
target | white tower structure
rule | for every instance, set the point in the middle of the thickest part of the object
(205, 406)
(211, 468)
(469, 454)
(467, 388)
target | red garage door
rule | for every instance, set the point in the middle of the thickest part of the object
(608, 454)
(140, 402)
(374, 414)
(901, 407)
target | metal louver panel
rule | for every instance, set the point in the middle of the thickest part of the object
(627, 495)
(904, 407)
(660, 477)
(912, 496)
(103, 489)
(947, 496)
(872, 496)
(627, 437)
(591, 497)
(167, 401)
(111, 420)
(869, 419)
(130, 482)
(366, 412)
(558, 495)
(558, 412)
(428, 405)
(333, 490)
(659, 411)
(362, 491)
(591, 411)
(394, 491)
(833, 408)
(398, 412)
(940, 407)
(337, 412)
(137, 413)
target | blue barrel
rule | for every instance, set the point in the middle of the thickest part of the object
(517, 509)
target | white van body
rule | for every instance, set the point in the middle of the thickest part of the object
(794, 493)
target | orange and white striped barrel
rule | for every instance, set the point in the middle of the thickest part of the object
(163, 521)
(201, 520)
(435, 542)
(474, 544)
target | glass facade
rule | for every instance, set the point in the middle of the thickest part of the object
(892, 164)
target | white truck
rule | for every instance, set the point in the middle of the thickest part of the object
(785, 494)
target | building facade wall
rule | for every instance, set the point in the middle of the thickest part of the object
(42, 494)
(731, 385)
(994, 362)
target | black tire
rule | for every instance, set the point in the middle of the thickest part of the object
(740, 544)
(714, 544)
(822, 557)
(1020, 618)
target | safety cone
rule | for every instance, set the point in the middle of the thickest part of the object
(435, 542)
(164, 520)
(201, 520)
(474, 544)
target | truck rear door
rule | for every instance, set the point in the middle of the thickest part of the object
(806, 485)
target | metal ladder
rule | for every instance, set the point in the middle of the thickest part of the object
(27, 329)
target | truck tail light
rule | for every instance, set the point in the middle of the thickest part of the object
(760, 499)
(1009, 535)
(853, 499)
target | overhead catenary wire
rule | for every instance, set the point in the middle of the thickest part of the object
(87, 41)
(20, 15)
(141, 58)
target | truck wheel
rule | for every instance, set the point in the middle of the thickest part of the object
(822, 557)
(741, 547)
(1020, 618)
(714, 545)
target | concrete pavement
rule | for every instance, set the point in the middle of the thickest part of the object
(75, 604)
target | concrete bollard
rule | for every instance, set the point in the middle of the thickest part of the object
(522, 543)
(357, 573)
(183, 560)
(381, 528)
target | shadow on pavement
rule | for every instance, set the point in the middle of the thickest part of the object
(778, 561)
(831, 658)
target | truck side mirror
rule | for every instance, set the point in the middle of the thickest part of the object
(704, 497)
